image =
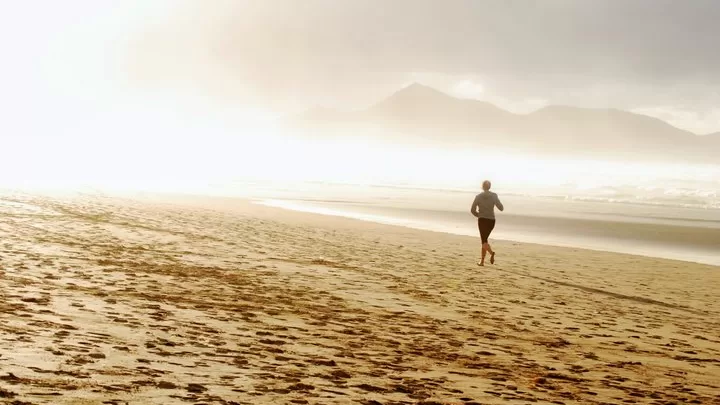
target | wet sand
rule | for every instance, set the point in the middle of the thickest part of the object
(687, 239)
(217, 301)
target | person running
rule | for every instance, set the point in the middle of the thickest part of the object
(483, 207)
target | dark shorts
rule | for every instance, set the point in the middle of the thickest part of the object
(485, 225)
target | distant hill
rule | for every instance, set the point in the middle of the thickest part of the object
(419, 105)
(421, 114)
(416, 108)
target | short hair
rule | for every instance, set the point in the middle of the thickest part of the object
(486, 185)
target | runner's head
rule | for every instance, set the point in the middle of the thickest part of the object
(486, 185)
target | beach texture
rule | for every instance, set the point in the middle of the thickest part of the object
(219, 301)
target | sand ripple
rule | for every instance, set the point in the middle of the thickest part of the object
(113, 301)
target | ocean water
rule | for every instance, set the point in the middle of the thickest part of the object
(655, 209)
(679, 224)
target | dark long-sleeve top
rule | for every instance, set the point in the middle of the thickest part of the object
(484, 205)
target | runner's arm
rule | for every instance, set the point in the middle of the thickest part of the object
(498, 204)
(473, 208)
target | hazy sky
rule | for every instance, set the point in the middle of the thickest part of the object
(657, 56)
(654, 56)
(167, 93)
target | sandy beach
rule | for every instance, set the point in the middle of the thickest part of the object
(219, 301)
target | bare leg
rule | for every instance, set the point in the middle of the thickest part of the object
(492, 254)
(488, 248)
(484, 252)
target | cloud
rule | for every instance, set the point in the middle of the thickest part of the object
(701, 122)
(468, 89)
(612, 53)
(286, 54)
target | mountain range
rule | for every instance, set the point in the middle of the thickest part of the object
(419, 114)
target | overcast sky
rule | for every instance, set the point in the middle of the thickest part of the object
(657, 56)
(653, 56)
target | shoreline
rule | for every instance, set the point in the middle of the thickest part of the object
(655, 236)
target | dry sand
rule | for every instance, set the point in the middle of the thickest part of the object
(220, 302)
